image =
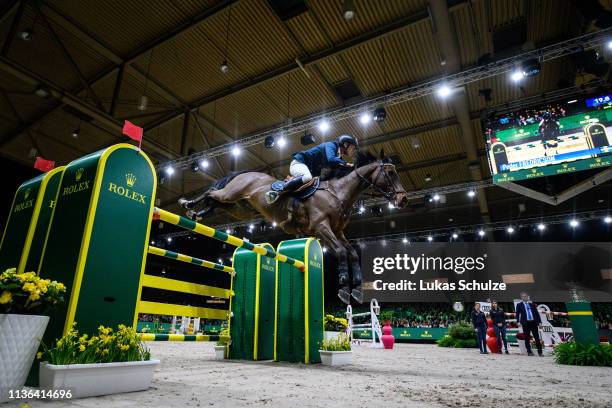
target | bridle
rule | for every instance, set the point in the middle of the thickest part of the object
(389, 192)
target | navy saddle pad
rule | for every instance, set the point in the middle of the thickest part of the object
(303, 192)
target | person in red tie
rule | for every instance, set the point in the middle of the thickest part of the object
(528, 317)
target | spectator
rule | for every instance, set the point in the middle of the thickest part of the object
(528, 317)
(479, 321)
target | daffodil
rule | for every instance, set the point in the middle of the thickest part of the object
(5, 297)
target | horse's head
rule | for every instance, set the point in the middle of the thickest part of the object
(385, 180)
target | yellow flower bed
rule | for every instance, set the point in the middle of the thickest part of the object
(27, 293)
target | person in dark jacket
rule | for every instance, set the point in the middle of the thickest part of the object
(528, 317)
(309, 163)
(498, 317)
(479, 321)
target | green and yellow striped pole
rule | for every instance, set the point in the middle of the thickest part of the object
(191, 225)
(188, 259)
(583, 324)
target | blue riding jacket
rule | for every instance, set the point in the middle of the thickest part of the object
(318, 157)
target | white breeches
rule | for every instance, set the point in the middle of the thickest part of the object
(297, 169)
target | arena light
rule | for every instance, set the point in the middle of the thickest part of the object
(510, 230)
(455, 235)
(607, 219)
(444, 91)
(152, 242)
(26, 35)
(541, 227)
(324, 125)
(610, 45)
(404, 240)
(169, 170)
(471, 193)
(169, 239)
(228, 231)
(324, 249)
(220, 260)
(274, 224)
(481, 233)
(436, 197)
(236, 151)
(429, 238)
(281, 142)
(361, 209)
(574, 223)
(204, 163)
(365, 118)
(390, 205)
(349, 10)
(224, 67)
(517, 76)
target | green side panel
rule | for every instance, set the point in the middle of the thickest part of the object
(583, 326)
(316, 313)
(43, 222)
(267, 295)
(243, 324)
(292, 342)
(18, 223)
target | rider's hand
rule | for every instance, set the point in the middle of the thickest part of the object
(349, 165)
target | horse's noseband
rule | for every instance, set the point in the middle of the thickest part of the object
(389, 192)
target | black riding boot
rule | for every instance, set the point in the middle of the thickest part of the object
(291, 185)
(356, 293)
(344, 293)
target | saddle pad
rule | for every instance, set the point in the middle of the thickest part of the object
(303, 192)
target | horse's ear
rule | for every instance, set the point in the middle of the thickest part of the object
(382, 154)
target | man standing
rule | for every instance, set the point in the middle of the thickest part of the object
(528, 317)
(479, 320)
(498, 317)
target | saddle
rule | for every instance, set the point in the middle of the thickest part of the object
(302, 193)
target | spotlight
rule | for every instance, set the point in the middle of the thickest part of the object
(269, 142)
(436, 197)
(380, 114)
(541, 227)
(251, 226)
(324, 249)
(204, 163)
(324, 125)
(228, 231)
(195, 167)
(75, 132)
(455, 235)
(307, 139)
(416, 143)
(143, 103)
(430, 238)
(444, 91)
(510, 230)
(610, 45)
(471, 193)
(152, 242)
(574, 223)
(282, 142)
(365, 118)
(26, 35)
(404, 240)
(390, 205)
(236, 151)
(42, 92)
(607, 219)
(361, 209)
(516, 76)
(349, 10)
(428, 177)
(274, 224)
(169, 170)
(481, 233)
(220, 260)
(169, 239)
(224, 67)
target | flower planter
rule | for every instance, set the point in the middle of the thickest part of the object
(220, 352)
(336, 358)
(332, 334)
(89, 380)
(20, 336)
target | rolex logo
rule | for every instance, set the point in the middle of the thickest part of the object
(130, 179)
(26, 194)
(79, 173)
(598, 160)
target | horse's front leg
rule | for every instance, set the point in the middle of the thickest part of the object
(325, 233)
(355, 262)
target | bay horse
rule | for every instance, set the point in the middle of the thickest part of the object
(324, 215)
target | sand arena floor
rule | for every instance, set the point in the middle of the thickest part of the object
(412, 375)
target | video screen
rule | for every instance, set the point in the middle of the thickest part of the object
(558, 138)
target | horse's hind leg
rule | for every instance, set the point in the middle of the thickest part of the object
(353, 258)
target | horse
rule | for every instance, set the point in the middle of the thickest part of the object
(324, 215)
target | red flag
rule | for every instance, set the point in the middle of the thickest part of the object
(132, 131)
(43, 165)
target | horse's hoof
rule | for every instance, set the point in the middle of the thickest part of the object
(357, 295)
(344, 296)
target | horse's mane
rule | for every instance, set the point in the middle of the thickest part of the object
(362, 159)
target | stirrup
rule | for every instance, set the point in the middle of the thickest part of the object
(344, 295)
(272, 196)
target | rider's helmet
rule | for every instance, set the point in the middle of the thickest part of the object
(347, 139)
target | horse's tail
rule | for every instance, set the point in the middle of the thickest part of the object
(217, 185)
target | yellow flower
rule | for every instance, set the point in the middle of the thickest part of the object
(25, 405)
(60, 286)
(29, 287)
(105, 351)
(39, 355)
(5, 297)
(34, 296)
(81, 348)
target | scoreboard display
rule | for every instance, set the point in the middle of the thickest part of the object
(555, 139)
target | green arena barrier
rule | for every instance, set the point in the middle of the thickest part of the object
(28, 222)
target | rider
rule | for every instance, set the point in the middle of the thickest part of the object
(309, 163)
